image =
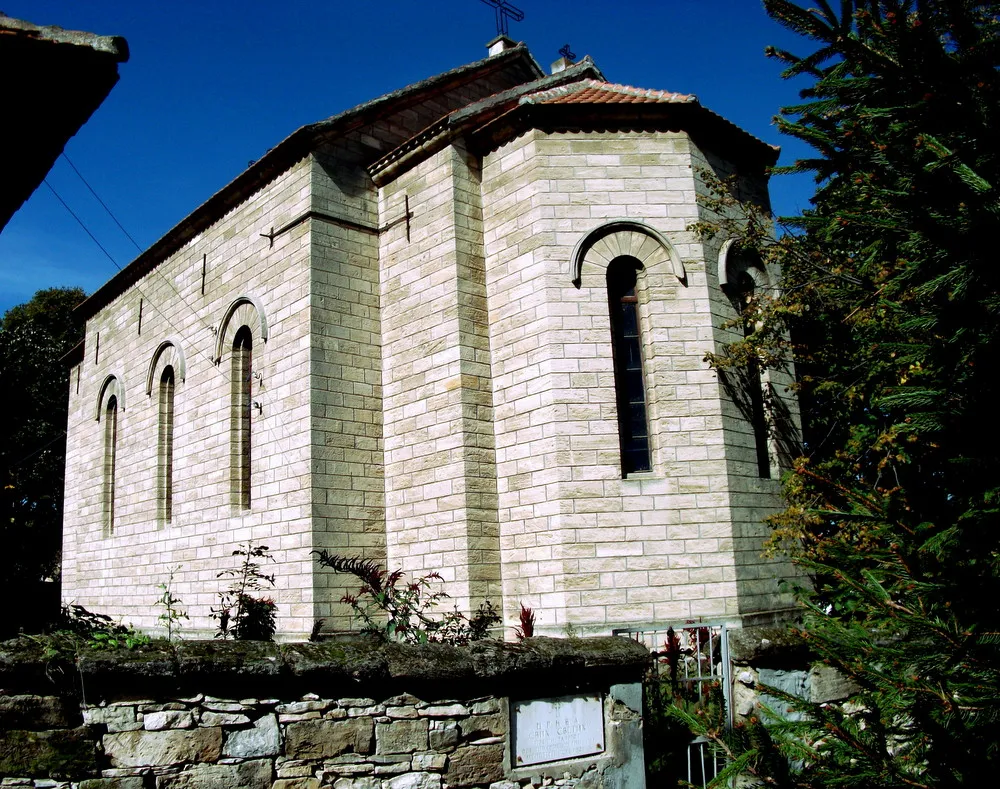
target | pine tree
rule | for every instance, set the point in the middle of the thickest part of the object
(891, 306)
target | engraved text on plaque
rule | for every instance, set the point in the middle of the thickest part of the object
(556, 729)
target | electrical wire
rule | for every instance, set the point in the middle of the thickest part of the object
(97, 197)
(80, 222)
(283, 428)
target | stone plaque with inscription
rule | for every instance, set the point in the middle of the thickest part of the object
(557, 729)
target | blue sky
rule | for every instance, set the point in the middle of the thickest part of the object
(211, 85)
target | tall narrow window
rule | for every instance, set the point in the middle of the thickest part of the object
(165, 448)
(242, 371)
(630, 384)
(110, 453)
(754, 385)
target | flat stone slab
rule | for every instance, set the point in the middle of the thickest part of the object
(255, 774)
(557, 729)
(322, 739)
(473, 765)
(262, 739)
(176, 746)
(401, 736)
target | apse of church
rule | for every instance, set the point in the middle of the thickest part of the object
(458, 329)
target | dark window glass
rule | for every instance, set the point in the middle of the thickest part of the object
(630, 385)
(110, 461)
(242, 372)
(165, 447)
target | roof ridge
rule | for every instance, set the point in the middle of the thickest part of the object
(620, 87)
(560, 90)
(550, 94)
(460, 115)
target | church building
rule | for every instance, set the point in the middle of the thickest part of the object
(459, 329)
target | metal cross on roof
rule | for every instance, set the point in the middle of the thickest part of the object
(505, 11)
(566, 53)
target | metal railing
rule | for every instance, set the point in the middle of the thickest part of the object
(691, 655)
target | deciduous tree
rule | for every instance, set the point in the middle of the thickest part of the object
(34, 390)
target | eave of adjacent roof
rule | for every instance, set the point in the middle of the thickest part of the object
(285, 154)
(73, 356)
(55, 80)
(114, 46)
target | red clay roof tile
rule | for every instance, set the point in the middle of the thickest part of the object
(591, 91)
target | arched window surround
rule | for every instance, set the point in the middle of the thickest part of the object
(625, 237)
(244, 311)
(243, 320)
(732, 264)
(111, 387)
(657, 264)
(168, 353)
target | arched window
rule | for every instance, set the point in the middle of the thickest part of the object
(165, 448)
(630, 384)
(110, 459)
(744, 272)
(241, 375)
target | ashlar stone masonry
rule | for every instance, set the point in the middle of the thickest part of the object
(458, 329)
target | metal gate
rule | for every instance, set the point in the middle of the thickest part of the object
(695, 654)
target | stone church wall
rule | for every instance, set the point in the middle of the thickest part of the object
(349, 715)
(579, 542)
(345, 375)
(758, 578)
(433, 385)
(440, 463)
(119, 571)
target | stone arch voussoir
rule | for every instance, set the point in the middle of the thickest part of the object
(169, 353)
(244, 311)
(730, 266)
(625, 237)
(112, 387)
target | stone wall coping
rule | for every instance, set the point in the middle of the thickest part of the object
(349, 666)
(769, 645)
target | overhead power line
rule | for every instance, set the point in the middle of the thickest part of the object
(103, 204)
(276, 413)
(81, 223)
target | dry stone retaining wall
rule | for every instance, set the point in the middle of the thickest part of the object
(350, 715)
(775, 657)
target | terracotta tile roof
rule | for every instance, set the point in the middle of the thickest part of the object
(592, 91)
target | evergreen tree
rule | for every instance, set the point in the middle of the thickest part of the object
(891, 307)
